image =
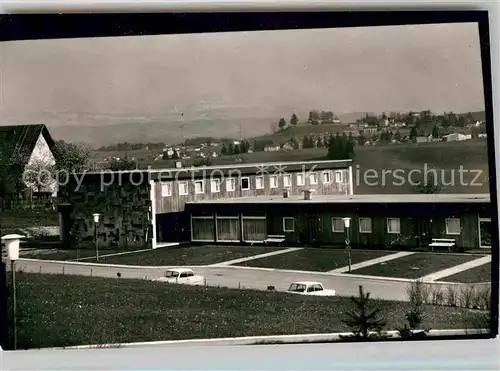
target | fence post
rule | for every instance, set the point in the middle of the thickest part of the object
(40, 270)
(239, 285)
(63, 270)
(91, 270)
(205, 279)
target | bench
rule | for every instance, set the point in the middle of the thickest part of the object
(442, 243)
(275, 238)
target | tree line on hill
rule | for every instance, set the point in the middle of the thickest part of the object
(315, 117)
(126, 146)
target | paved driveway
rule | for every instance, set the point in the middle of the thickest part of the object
(234, 277)
(231, 277)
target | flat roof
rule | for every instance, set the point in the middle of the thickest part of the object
(346, 162)
(375, 198)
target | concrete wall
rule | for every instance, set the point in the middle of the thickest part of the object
(126, 215)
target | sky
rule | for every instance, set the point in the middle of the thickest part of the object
(103, 81)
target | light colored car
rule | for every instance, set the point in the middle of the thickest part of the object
(183, 276)
(310, 288)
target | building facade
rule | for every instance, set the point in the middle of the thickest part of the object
(148, 208)
(377, 221)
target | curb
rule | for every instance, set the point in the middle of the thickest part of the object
(258, 340)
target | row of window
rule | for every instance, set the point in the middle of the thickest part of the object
(365, 225)
(199, 185)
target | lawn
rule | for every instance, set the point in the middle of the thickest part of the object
(60, 254)
(416, 265)
(56, 310)
(473, 275)
(312, 259)
(12, 221)
(191, 255)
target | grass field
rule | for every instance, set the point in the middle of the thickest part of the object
(474, 275)
(319, 260)
(415, 266)
(65, 255)
(11, 221)
(446, 157)
(56, 310)
(190, 255)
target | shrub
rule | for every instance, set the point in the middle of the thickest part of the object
(437, 296)
(451, 296)
(467, 294)
(418, 292)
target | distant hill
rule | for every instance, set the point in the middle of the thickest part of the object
(103, 131)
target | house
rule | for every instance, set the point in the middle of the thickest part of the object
(455, 137)
(272, 148)
(377, 221)
(147, 208)
(423, 139)
(30, 149)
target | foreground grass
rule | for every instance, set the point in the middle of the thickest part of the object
(313, 259)
(474, 275)
(56, 310)
(416, 265)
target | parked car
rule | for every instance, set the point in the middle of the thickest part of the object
(309, 288)
(184, 276)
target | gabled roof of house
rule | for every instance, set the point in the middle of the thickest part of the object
(19, 140)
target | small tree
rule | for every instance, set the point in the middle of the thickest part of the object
(123, 164)
(364, 320)
(281, 123)
(413, 133)
(430, 186)
(435, 132)
(72, 157)
(294, 120)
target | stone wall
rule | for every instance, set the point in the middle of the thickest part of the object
(125, 209)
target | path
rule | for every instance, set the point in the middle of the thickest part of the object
(457, 269)
(253, 257)
(367, 263)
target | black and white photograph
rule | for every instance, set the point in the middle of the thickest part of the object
(247, 184)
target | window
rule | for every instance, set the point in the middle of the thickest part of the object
(288, 224)
(183, 188)
(287, 180)
(300, 179)
(259, 182)
(313, 178)
(327, 177)
(215, 185)
(166, 189)
(245, 183)
(199, 187)
(453, 226)
(365, 225)
(337, 225)
(339, 176)
(393, 226)
(273, 180)
(230, 184)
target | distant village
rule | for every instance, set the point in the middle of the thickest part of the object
(317, 131)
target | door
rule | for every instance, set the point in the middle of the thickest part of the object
(313, 227)
(485, 233)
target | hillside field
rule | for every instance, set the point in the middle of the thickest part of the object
(374, 165)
